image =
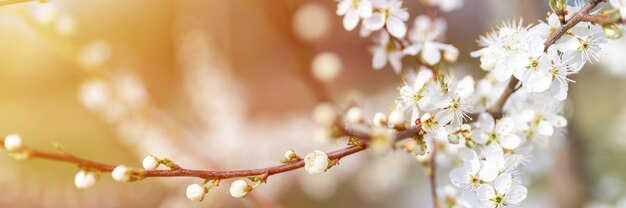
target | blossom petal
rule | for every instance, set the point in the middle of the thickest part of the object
(510, 141)
(503, 183)
(396, 27)
(459, 177)
(558, 121)
(374, 22)
(365, 8)
(559, 89)
(486, 192)
(504, 126)
(395, 60)
(489, 172)
(379, 59)
(412, 49)
(431, 54)
(351, 19)
(486, 121)
(343, 6)
(545, 128)
(516, 195)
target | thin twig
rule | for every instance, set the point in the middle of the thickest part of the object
(601, 19)
(218, 174)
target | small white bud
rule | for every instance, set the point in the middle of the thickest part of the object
(85, 179)
(196, 192)
(354, 115)
(379, 119)
(316, 162)
(326, 66)
(396, 118)
(239, 188)
(324, 114)
(121, 173)
(151, 163)
(290, 155)
(13, 142)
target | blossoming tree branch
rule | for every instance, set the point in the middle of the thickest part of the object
(483, 130)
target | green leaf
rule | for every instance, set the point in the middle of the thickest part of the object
(552, 4)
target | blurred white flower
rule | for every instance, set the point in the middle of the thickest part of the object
(85, 179)
(13, 143)
(311, 22)
(388, 14)
(352, 11)
(326, 66)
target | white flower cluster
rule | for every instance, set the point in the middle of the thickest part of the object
(455, 114)
(389, 17)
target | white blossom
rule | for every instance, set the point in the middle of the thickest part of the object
(352, 11)
(586, 42)
(424, 36)
(386, 51)
(502, 194)
(388, 14)
(500, 132)
(474, 171)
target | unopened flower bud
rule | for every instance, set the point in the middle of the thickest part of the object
(316, 162)
(290, 155)
(151, 163)
(196, 192)
(122, 173)
(354, 115)
(13, 143)
(85, 179)
(396, 118)
(379, 119)
(239, 189)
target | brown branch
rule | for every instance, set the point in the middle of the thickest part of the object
(575, 19)
(219, 174)
(601, 19)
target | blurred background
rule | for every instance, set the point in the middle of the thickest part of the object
(225, 85)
